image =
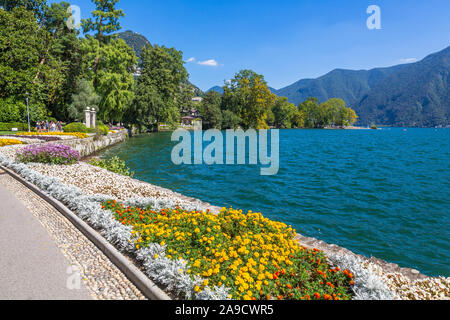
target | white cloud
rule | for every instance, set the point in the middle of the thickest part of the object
(209, 63)
(408, 60)
(190, 60)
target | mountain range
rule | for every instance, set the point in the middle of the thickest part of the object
(415, 94)
(135, 41)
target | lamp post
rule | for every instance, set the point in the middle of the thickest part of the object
(28, 112)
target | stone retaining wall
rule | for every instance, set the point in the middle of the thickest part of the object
(91, 145)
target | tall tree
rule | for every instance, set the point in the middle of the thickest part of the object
(105, 20)
(112, 78)
(310, 113)
(250, 98)
(158, 87)
(84, 97)
(22, 44)
(36, 6)
(61, 66)
(284, 113)
(212, 115)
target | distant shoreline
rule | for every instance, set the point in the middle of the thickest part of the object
(350, 128)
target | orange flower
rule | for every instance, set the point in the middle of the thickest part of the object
(317, 295)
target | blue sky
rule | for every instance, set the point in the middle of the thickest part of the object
(286, 40)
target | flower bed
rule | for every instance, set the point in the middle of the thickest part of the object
(42, 138)
(48, 153)
(9, 142)
(254, 257)
(79, 135)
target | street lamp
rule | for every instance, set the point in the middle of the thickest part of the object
(28, 112)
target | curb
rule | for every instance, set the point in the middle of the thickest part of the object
(148, 288)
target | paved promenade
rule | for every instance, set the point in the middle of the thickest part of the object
(31, 265)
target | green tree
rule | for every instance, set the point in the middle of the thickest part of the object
(36, 6)
(61, 67)
(230, 120)
(310, 113)
(83, 98)
(248, 96)
(212, 115)
(184, 99)
(284, 113)
(112, 76)
(330, 113)
(105, 20)
(11, 110)
(159, 86)
(337, 114)
(22, 45)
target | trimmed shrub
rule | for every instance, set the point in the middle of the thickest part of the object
(114, 164)
(9, 126)
(76, 127)
(103, 129)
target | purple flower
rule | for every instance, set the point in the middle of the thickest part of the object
(49, 153)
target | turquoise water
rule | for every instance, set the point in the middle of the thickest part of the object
(382, 193)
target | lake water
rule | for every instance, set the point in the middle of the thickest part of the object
(382, 193)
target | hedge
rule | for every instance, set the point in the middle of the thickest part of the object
(9, 126)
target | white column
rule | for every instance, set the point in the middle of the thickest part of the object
(93, 118)
(88, 117)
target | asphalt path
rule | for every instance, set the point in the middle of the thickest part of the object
(31, 265)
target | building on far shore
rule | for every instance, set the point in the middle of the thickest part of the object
(192, 116)
(197, 99)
